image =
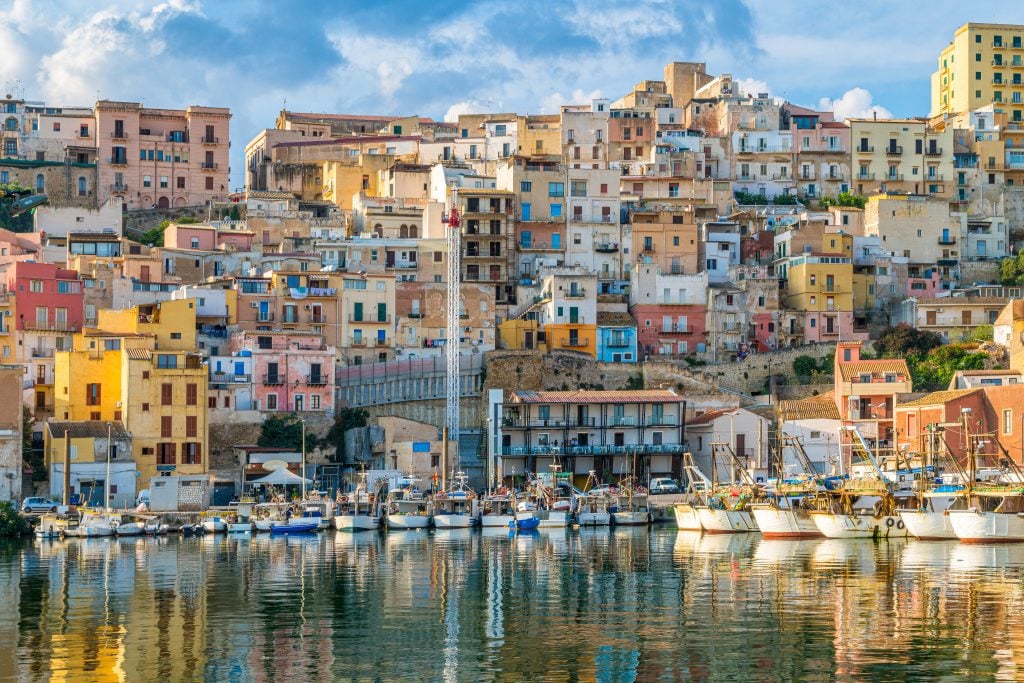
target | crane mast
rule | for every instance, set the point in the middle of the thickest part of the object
(454, 331)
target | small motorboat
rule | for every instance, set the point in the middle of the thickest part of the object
(215, 524)
(154, 527)
(300, 525)
(525, 524)
(239, 527)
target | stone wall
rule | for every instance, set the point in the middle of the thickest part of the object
(141, 220)
(979, 271)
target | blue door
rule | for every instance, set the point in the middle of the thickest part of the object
(525, 239)
(264, 310)
(556, 240)
(239, 367)
(381, 336)
(526, 211)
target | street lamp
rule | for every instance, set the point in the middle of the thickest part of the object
(303, 471)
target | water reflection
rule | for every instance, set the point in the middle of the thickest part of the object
(589, 604)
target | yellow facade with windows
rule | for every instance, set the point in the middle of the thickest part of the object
(581, 338)
(984, 64)
(822, 281)
(901, 156)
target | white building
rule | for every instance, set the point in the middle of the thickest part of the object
(744, 431)
(814, 422)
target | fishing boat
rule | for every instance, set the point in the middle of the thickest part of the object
(686, 517)
(55, 525)
(457, 507)
(214, 524)
(928, 519)
(721, 507)
(126, 524)
(296, 525)
(633, 507)
(865, 505)
(154, 526)
(407, 508)
(497, 510)
(320, 507)
(994, 501)
(592, 504)
(357, 511)
(525, 524)
(552, 495)
(265, 515)
(92, 524)
(785, 510)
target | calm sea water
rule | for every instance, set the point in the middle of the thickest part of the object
(605, 605)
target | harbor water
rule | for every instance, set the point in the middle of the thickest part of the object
(621, 604)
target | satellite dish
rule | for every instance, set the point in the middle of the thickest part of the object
(274, 465)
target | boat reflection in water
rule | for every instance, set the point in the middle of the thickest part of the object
(591, 604)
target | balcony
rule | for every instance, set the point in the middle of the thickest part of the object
(574, 343)
(576, 293)
(382, 342)
(118, 188)
(549, 422)
(947, 240)
(370, 320)
(357, 342)
(677, 329)
(648, 249)
(207, 140)
(947, 262)
(50, 326)
(661, 421)
(118, 135)
(209, 166)
(536, 246)
(316, 380)
(622, 421)
(865, 149)
(265, 318)
(618, 343)
(318, 319)
(42, 353)
(933, 152)
(230, 378)
(937, 178)
(606, 247)
(894, 178)
(273, 380)
(290, 320)
(894, 150)
(415, 314)
(631, 449)
(117, 161)
(747, 176)
(865, 176)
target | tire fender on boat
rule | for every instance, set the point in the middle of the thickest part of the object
(900, 524)
(890, 522)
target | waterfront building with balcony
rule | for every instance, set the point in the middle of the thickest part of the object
(568, 314)
(291, 371)
(162, 157)
(901, 156)
(866, 393)
(231, 382)
(956, 317)
(613, 433)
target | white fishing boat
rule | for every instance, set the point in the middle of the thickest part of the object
(632, 507)
(407, 508)
(357, 511)
(237, 527)
(931, 521)
(592, 505)
(721, 508)
(497, 510)
(55, 525)
(214, 524)
(686, 517)
(785, 510)
(319, 507)
(127, 524)
(552, 493)
(91, 525)
(784, 518)
(458, 507)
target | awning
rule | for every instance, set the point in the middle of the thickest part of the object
(583, 464)
(281, 477)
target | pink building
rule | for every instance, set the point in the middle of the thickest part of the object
(831, 326)
(291, 371)
(46, 297)
(670, 329)
(207, 237)
(162, 157)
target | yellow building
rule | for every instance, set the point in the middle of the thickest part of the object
(519, 333)
(820, 284)
(984, 64)
(568, 312)
(901, 155)
(145, 374)
(368, 318)
(7, 339)
(1008, 330)
(539, 134)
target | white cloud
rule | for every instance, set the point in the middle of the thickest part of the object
(552, 104)
(469, 107)
(753, 86)
(852, 104)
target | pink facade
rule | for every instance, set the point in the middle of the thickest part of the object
(923, 287)
(765, 338)
(830, 327)
(46, 297)
(206, 237)
(292, 371)
(162, 157)
(660, 332)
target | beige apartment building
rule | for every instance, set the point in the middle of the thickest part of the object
(982, 65)
(162, 157)
(901, 156)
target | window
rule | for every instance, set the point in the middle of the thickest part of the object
(166, 394)
(167, 361)
(1007, 421)
(191, 426)
(192, 453)
(166, 426)
(526, 186)
(180, 180)
(40, 183)
(35, 286)
(271, 401)
(578, 188)
(556, 210)
(556, 189)
(83, 186)
(147, 181)
(314, 402)
(191, 394)
(92, 394)
(209, 183)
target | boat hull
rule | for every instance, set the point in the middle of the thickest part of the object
(457, 521)
(928, 525)
(594, 518)
(638, 518)
(95, 531)
(525, 524)
(356, 522)
(686, 517)
(408, 521)
(130, 529)
(292, 529)
(263, 524)
(987, 527)
(554, 519)
(784, 522)
(495, 521)
(725, 521)
(239, 528)
(215, 527)
(859, 526)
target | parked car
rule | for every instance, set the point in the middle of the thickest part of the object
(665, 486)
(602, 490)
(38, 505)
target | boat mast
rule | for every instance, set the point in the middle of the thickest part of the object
(106, 482)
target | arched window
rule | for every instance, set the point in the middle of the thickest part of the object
(403, 231)
(11, 123)
(40, 183)
(83, 187)
(413, 232)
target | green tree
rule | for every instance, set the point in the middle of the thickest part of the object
(235, 215)
(12, 523)
(933, 371)
(634, 382)
(804, 367)
(1011, 271)
(283, 431)
(348, 418)
(845, 199)
(903, 340)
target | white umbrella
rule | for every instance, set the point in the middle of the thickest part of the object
(281, 477)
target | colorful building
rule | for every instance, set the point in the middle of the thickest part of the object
(292, 371)
(616, 337)
(980, 66)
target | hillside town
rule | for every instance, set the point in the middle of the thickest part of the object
(640, 280)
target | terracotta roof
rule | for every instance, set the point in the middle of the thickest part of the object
(615, 319)
(350, 117)
(987, 373)
(263, 194)
(962, 301)
(95, 429)
(139, 354)
(581, 396)
(938, 398)
(851, 369)
(821, 407)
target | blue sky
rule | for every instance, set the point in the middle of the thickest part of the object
(437, 58)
